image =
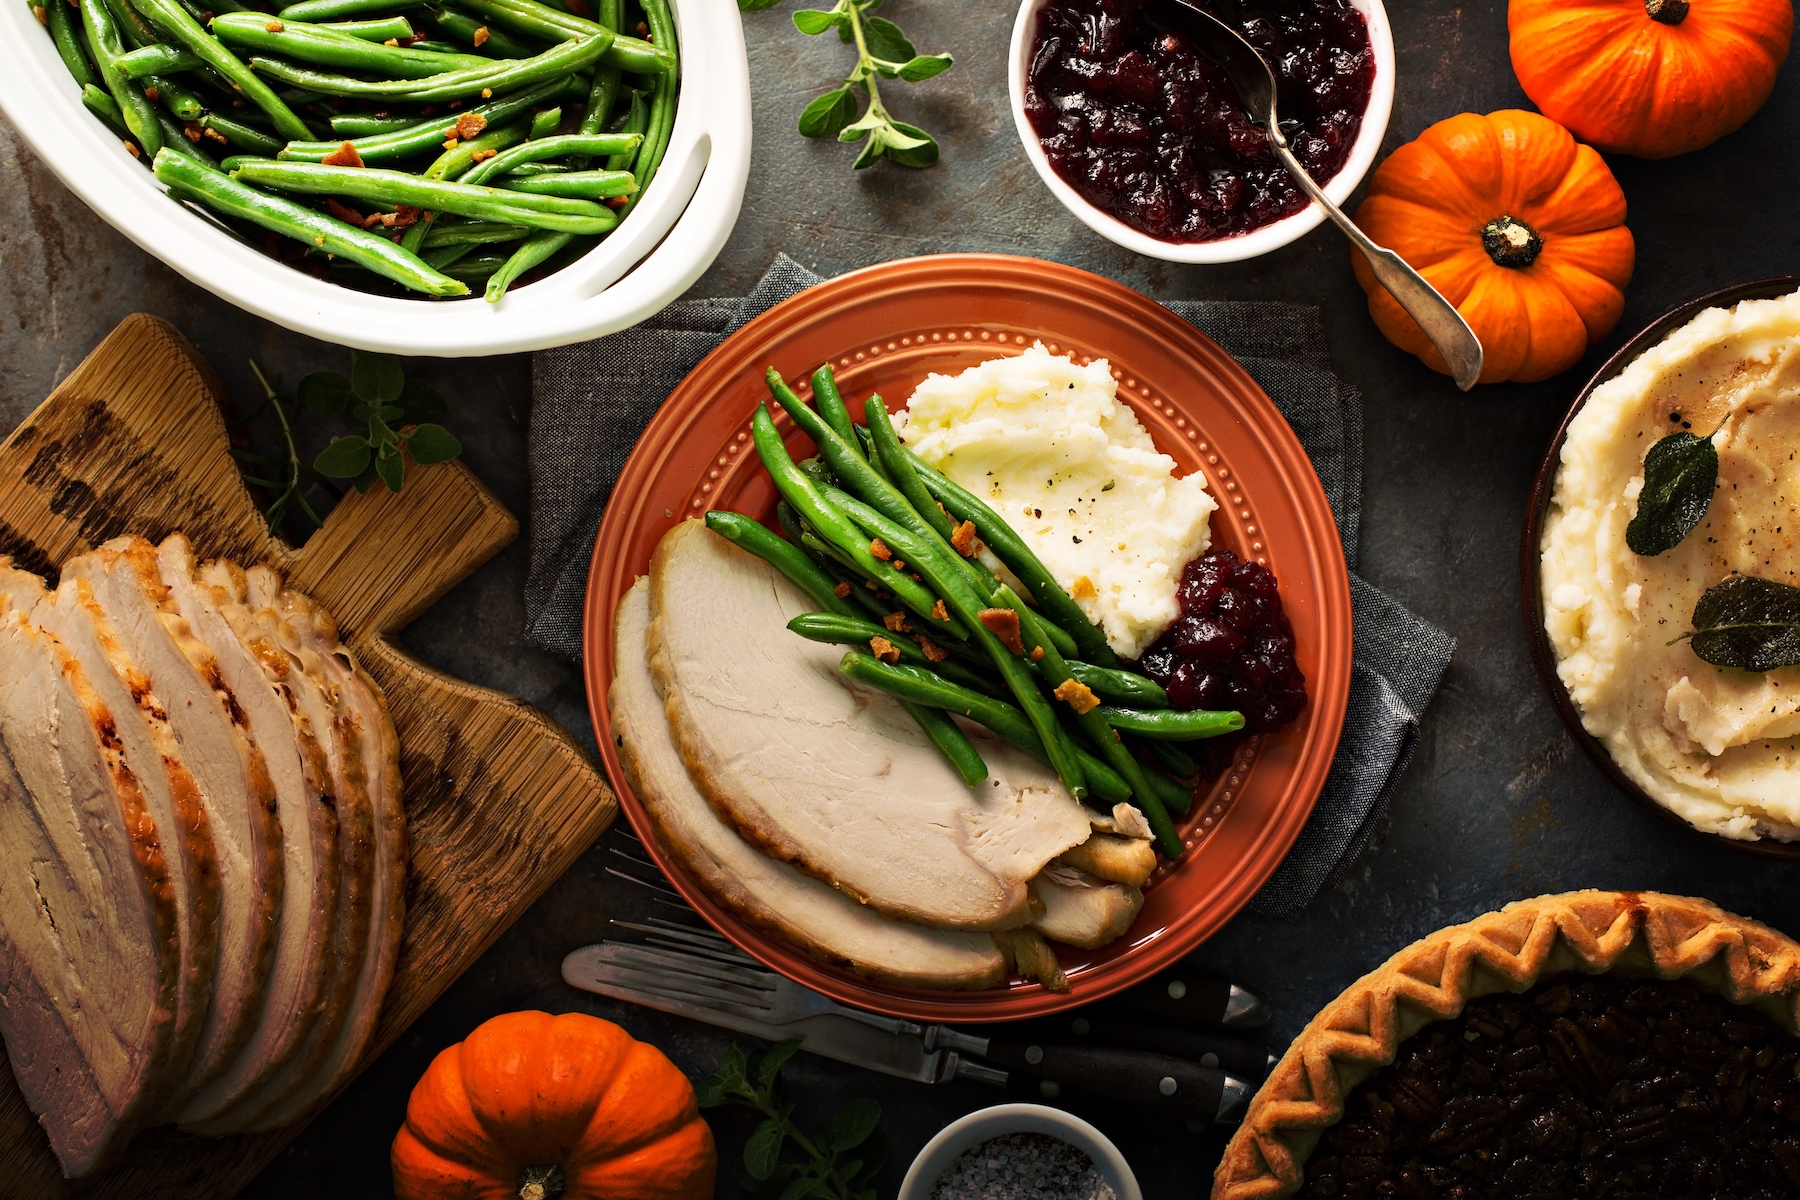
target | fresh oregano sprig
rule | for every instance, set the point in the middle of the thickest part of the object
(779, 1157)
(398, 413)
(290, 489)
(882, 52)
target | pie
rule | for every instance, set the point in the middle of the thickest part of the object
(1603, 1044)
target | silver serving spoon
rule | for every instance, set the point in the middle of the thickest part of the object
(1255, 83)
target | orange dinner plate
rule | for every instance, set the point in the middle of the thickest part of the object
(884, 329)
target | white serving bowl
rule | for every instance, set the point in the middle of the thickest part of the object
(669, 239)
(1002, 1119)
(1246, 245)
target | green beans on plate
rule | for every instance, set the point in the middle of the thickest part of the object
(519, 137)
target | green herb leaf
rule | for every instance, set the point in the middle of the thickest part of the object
(1680, 473)
(924, 66)
(756, 5)
(853, 1124)
(377, 378)
(827, 115)
(763, 1149)
(421, 402)
(875, 1155)
(324, 392)
(1748, 623)
(432, 444)
(709, 1092)
(757, 1187)
(814, 21)
(392, 469)
(802, 1187)
(773, 1061)
(885, 40)
(910, 146)
(345, 458)
(732, 1067)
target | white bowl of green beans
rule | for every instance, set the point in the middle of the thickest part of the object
(452, 177)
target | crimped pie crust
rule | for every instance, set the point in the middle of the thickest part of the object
(1431, 980)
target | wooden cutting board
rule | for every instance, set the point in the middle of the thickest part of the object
(499, 799)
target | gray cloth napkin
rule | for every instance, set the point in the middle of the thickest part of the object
(592, 401)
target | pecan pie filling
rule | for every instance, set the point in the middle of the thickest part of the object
(1605, 1088)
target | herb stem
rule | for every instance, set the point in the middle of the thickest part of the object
(865, 62)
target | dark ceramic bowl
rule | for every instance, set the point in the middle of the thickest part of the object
(1531, 592)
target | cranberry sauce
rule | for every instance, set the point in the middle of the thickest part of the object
(1144, 127)
(1231, 648)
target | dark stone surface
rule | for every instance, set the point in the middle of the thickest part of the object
(1498, 803)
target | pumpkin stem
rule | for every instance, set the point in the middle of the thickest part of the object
(1510, 242)
(541, 1183)
(1669, 12)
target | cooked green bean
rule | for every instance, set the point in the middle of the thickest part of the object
(785, 557)
(549, 147)
(182, 104)
(414, 238)
(105, 44)
(495, 42)
(427, 135)
(67, 41)
(360, 125)
(535, 250)
(1122, 687)
(158, 59)
(545, 123)
(242, 136)
(636, 120)
(473, 233)
(448, 256)
(586, 185)
(490, 77)
(325, 46)
(951, 741)
(830, 403)
(102, 105)
(1174, 795)
(174, 20)
(133, 29)
(1172, 757)
(456, 160)
(339, 10)
(398, 187)
(175, 139)
(833, 627)
(628, 54)
(1170, 726)
(379, 30)
(226, 194)
(232, 162)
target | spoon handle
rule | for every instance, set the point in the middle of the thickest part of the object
(1435, 315)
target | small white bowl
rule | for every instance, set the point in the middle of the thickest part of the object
(1245, 245)
(988, 1123)
(669, 239)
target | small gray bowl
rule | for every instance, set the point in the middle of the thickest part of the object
(1002, 1119)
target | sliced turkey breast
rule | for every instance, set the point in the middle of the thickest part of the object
(830, 776)
(154, 757)
(819, 919)
(1082, 910)
(235, 790)
(90, 956)
(373, 861)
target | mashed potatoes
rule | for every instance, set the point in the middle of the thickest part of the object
(1049, 446)
(1720, 747)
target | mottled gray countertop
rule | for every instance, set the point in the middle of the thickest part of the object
(1498, 803)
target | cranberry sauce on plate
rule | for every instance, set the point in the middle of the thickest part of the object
(1145, 128)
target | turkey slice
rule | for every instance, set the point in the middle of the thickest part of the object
(1081, 910)
(212, 728)
(819, 919)
(89, 947)
(154, 756)
(826, 774)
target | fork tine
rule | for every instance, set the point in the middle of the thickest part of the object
(649, 884)
(702, 940)
(667, 962)
(635, 859)
(684, 987)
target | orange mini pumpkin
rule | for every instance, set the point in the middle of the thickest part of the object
(1518, 225)
(533, 1107)
(1654, 78)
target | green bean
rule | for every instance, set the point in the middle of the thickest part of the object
(439, 47)
(636, 120)
(448, 256)
(227, 195)
(473, 233)
(102, 105)
(398, 187)
(323, 45)
(545, 123)
(662, 103)
(242, 136)
(175, 139)
(158, 59)
(104, 45)
(531, 253)
(548, 147)
(822, 555)
(830, 404)
(628, 54)
(586, 185)
(1010, 549)
(457, 159)
(923, 687)
(785, 557)
(832, 526)
(414, 238)
(232, 162)
(496, 43)
(1169, 726)
(68, 45)
(379, 30)
(951, 742)
(1124, 687)
(476, 268)
(1173, 758)
(175, 21)
(427, 135)
(183, 104)
(1174, 795)
(340, 10)
(857, 631)
(492, 76)
(133, 29)
(359, 125)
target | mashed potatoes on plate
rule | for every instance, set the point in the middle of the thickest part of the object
(1050, 447)
(1719, 746)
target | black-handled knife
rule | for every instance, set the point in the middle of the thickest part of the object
(1097, 1026)
(1194, 998)
(1144, 1081)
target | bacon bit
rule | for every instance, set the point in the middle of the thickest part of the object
(1037, 654)
(481, 35)
(450, 143)
(842, 590)
(870, 584)
(643, 29)
(152, 95)
(487, 93)
(392, 42)
(1077, 695)
(939, 611)
(192, 131)
(470, 124)
(37, 10)
(402, 216)
(898, 565)
(453, 106)
(430, 110)
(131, 149)
(579, 8)
(216, 136)
(343, 212)
(885, 650)
(617, 201)
(1083, 588)
(933, 652)
(274, 27)
(374, 219)
(344, 156)
(1003, 623)
(879, 549)
(963, 539)
(896, 623)
(482, 155)
(319, 241)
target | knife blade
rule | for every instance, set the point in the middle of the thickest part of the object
(1094, 1026)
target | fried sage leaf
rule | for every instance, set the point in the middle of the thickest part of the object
(1680, 473)
(1748, 623)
